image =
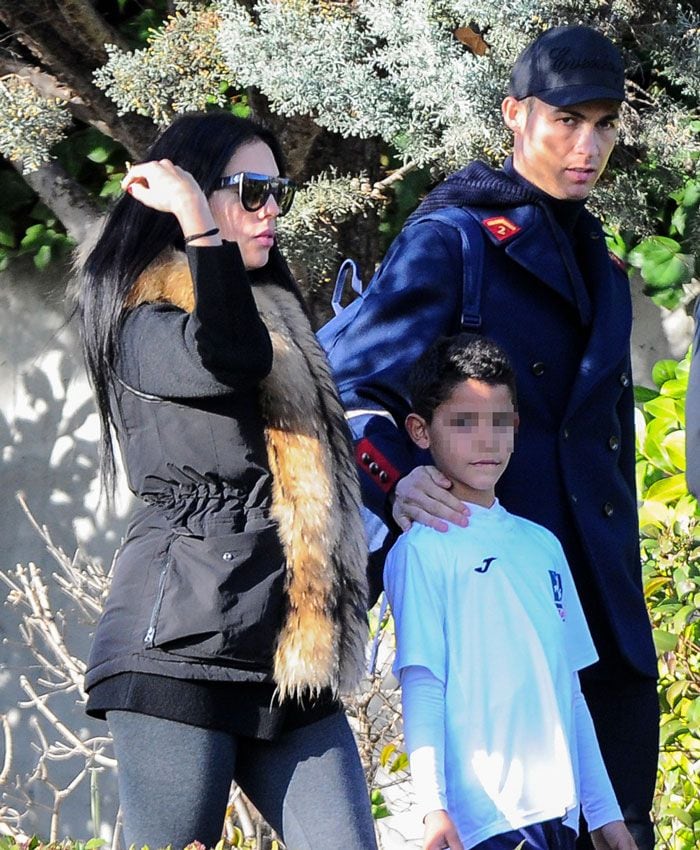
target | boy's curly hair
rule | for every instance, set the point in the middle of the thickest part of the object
(451, 360)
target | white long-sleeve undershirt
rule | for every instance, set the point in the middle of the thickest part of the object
(423, 703)
(598, 800)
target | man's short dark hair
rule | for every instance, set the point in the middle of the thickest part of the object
(451, 360)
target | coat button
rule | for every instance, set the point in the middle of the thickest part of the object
(608, 509)
(383, 477)
(374, 468)
(574, 498)
(565, 433)
(537, 368)
(365, 458)
(614, 443)
(227, 556)
(625, 379)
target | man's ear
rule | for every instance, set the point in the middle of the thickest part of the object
(516, 421)
(417, 429)
(514, 114)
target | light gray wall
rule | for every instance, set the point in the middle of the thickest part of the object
(48, 430)
(657, 333)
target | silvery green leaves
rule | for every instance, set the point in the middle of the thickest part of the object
(29, 123)
(181, 69)
(378, 68)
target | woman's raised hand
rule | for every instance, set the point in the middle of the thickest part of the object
(163, 186)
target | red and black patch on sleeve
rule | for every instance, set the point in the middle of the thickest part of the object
(375, 464)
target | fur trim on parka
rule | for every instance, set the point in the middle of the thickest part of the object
(315, 497)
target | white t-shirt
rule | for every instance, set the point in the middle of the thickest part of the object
(492, 612)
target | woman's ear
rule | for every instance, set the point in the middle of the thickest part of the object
(417, 429)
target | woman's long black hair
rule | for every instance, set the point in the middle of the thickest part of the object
(133, 235)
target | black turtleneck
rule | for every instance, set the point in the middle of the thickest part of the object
(563, 216)
(566, 213)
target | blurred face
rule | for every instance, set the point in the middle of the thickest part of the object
(253, 231)
(470, 437)
(562, 150)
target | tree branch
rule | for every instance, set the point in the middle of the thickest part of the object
(68, 200)
(39, 702)
(7, 764)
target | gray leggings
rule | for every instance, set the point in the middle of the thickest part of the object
(174, 781)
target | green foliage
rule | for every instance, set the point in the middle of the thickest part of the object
(393, 759)
(42, 240)
(310, 228)
(7, 842)
(96, 161)
(670, 543)
(379, 806)
(395, 70)
(137, 21)
(405, 198)
(669, 262)
(27, 227)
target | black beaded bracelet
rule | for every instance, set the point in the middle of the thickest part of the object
(194, 236)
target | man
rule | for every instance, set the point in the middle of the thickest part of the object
(553, 298)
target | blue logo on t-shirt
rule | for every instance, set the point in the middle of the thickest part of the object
(486, 564)
(558, 592)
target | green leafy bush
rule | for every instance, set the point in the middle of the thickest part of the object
(668, 262)
(670, 541)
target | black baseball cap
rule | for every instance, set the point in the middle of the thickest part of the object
(568, 65)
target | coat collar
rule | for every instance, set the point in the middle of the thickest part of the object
(603, 305)
(538, 246)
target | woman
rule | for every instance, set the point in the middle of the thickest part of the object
(237, 607)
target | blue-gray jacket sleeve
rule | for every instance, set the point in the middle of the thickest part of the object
(414, 298)
(692, 415)
(222, 346)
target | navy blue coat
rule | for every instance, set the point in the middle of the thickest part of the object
(573, 466)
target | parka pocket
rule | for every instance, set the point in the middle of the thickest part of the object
(221, 598)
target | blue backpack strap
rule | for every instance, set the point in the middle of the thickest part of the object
(348, 268)
(466, 222)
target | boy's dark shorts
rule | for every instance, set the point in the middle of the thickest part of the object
(548, 835)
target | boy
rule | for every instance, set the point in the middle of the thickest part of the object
(490, 636)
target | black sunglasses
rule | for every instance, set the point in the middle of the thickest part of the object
(254, 190)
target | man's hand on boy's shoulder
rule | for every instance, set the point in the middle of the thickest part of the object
(424, 496)
(440, 832)
(613, 836)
